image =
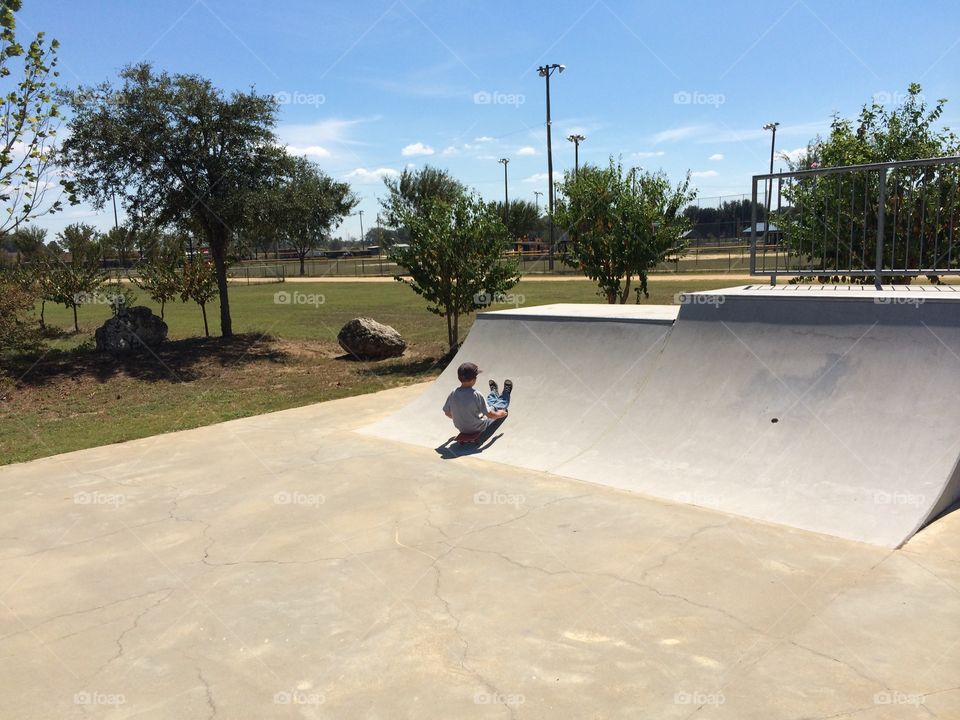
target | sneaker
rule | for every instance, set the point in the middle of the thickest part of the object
(507, 387)
(493, 387)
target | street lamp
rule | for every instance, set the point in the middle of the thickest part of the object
(506, 201)
(545, 72)
(536, 197)
(576, 139)
(772, 127)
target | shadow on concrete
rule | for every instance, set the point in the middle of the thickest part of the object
(451, 449)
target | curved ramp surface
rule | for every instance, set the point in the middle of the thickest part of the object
(831, 410)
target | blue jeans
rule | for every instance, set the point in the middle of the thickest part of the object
(497, 401)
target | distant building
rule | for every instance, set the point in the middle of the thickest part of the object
(775, 234)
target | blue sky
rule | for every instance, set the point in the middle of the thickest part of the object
(371, 86)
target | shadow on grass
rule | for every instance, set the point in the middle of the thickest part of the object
(175, 361)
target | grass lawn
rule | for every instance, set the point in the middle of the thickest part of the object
(285, 354)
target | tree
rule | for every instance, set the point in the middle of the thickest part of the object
(30, 119)
(303, 206)
(17, 300)
(77, 281)
(830, 219)
(29, 241)
(178, 151)
(198, 282)
(413, 189)
(523, 218)
(120, 242)
(454, 257)
(159, 273)
(622, 224)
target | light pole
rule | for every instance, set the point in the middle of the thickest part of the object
(576, 139)
(772, 127)
(506, 201)
(536, 197)
(360, 213)
(545, 72)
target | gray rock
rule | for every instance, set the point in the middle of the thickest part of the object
(130, 330)
(367, 339)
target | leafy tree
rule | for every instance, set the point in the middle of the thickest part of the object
(119, 242)
(830, 221)
(29, 241)
(523, 218)
(77, 281)
(410, 192)
(622, 224)
(17, 300)
(198, 282)
(304, 205)
(179, 151)
(159, 274)
(454, 257)
(29, 124)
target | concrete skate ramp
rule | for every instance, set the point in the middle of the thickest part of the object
(831, 410)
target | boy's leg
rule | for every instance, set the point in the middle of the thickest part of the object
(507, 389)
(497, 402)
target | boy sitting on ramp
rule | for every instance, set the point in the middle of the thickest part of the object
(470, 411)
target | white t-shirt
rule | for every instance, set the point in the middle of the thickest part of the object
(468, 408)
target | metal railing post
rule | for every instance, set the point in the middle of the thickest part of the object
(881, 217)
(753, 229)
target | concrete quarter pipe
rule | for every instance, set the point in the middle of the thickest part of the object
(829, 409)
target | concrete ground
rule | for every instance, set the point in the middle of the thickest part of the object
(284, 566)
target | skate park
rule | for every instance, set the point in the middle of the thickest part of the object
(581, 560)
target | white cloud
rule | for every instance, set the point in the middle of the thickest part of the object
(680, 133)
(483, 139)
(704, 174)
(536, 178)
(320, 134)
(649, 154)
(716, 156)
(362, 175)
(450, 150)
(310, 150)
(417, 148)
(793, 155)
(527, 150)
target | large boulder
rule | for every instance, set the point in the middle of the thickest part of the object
(367, 339)
(130, 330)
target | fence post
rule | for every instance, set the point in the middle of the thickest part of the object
(881, 217)
(753, 229)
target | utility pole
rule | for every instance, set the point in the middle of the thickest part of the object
(772, 126)
(506, 197)
(545, 72)
(536, 195)
(576, 139)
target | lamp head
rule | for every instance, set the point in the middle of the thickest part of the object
(561, 68)
(771, 126)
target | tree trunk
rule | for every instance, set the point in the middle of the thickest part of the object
(43, 324)
(302, 257)
(76, 327)
(217, 239)
(626, 290)
(206, 328)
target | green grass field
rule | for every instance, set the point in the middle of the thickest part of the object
(285, 355)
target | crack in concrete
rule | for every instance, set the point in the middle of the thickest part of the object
(134, 626)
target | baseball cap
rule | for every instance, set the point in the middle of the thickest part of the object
(467, 371)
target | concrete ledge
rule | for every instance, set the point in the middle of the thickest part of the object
(650, 314)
